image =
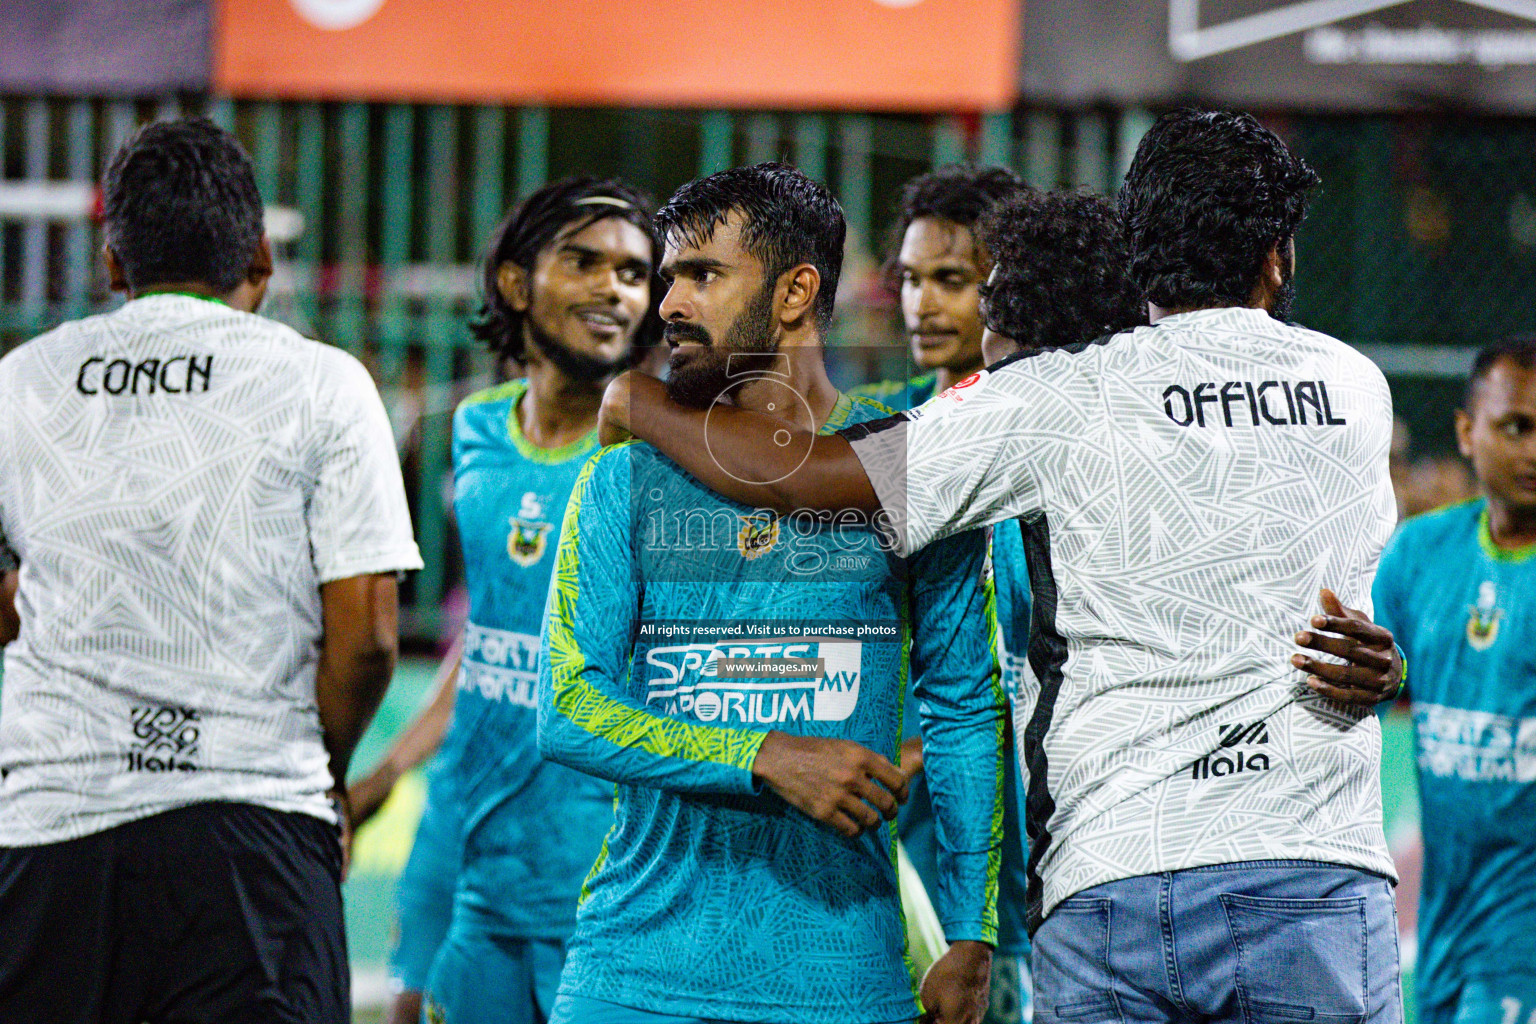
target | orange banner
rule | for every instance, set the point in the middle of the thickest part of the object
(829, 54)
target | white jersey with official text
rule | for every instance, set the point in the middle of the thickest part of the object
(176, 481)
(1184, 489)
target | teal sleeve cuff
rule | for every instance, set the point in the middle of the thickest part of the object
(970, 931)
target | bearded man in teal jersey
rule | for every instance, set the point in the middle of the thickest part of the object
(740, 675)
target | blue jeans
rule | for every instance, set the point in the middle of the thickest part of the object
(1255, 942)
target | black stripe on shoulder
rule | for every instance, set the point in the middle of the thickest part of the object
(859, 431)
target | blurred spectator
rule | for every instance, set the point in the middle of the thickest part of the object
(1434, 481)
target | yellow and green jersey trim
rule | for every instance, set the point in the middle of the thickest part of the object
(512, 391)
(882, 391)
(1000, 783)
(592, 711)
(1492, 550)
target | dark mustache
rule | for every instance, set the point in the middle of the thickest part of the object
(676, 333)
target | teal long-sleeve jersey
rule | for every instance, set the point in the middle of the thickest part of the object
(669, 610)
(1464, 613)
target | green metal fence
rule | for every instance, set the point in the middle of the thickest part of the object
(1423, 240)
(397, 200)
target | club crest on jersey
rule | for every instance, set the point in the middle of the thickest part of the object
(530, 534)
(758, 534)
(527, 541)
(1483, 618)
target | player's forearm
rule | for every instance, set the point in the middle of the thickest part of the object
(357, 661)
(348, 693)
(584, 727)
(746, 456)
(416, 744)
(423, 736)
(10, 621)
(963, 758)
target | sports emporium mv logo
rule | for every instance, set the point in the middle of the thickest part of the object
(1240, 734)
(685, 680)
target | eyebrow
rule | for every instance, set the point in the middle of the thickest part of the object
(943, 263)
(590, 253)
(692, 264)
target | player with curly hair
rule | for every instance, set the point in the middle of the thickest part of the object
(1059, 274)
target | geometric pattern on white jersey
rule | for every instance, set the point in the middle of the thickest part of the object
(1176, 545)
(177, 478)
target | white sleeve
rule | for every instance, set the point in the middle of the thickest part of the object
(359, 523)
(973, 455)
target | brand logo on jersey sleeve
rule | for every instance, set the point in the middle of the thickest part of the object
(1232, 758)
(756, 681)
(1483, 618)
(950, 398)
(758, 535)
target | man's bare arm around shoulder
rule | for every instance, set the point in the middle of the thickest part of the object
(746, 456)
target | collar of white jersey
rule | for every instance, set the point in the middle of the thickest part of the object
(1196, 316)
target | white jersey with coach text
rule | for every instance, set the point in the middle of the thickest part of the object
(1184, 491)
(176, 481)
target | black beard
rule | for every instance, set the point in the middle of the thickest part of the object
(1285, 298)
(708, 376)
(575, 365)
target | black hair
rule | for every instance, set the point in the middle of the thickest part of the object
(788, 219)
(1061, 270)
(562, 207)
(958, 193)
(1207, 197)
(179, 204)
(1519, 349)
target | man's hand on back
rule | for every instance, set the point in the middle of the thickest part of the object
(1374, 669)
(838, 782)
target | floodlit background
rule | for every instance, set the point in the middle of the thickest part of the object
(390, 135)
